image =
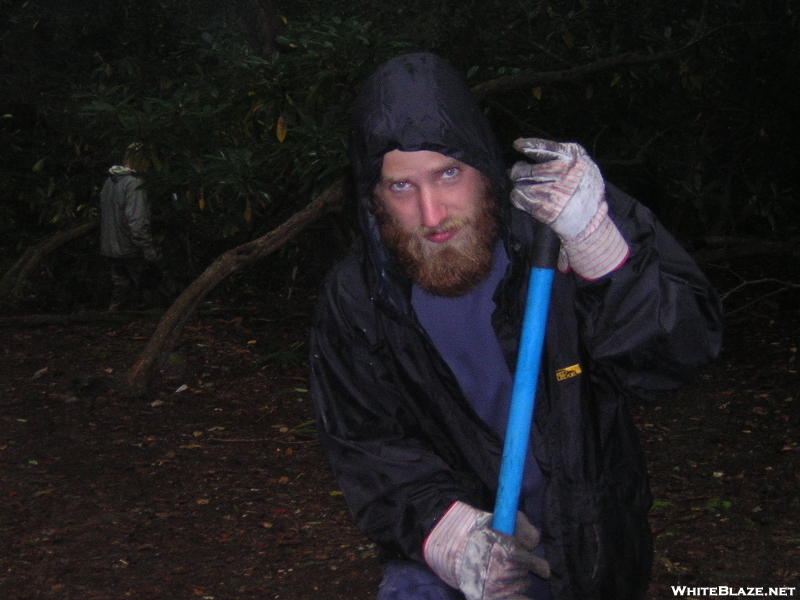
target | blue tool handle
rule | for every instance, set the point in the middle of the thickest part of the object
(523, 398)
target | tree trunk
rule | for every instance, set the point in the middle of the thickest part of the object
(34, 255)
(260, 21)
(171, 325)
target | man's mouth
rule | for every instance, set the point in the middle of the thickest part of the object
(439, 237)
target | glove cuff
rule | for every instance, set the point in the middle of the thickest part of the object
(443, 549)
(597, 250)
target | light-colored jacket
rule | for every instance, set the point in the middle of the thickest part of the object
(124, 215)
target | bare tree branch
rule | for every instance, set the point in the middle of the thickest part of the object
(727, 248)
(173, 321)
(636, 160)
(786, 286)
(530, 79)
(744, 284)
(33, 256)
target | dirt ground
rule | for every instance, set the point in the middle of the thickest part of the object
(214, 487)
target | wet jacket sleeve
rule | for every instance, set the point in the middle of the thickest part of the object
(652, 324)
(137, 213)
(372, 427)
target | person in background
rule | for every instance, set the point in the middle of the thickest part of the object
(125, 237)
(414, 343)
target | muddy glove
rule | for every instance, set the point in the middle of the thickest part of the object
(484, 564)
(564, 189)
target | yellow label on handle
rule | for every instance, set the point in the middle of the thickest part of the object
(568, 372)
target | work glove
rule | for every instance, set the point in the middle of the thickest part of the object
(149, 254)
(564, 189)
(484, 564)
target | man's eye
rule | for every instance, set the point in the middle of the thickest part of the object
(399, 186)
(451, 172)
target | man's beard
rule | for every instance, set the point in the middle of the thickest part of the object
(450, 268)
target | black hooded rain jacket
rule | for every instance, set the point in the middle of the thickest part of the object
(403, 441)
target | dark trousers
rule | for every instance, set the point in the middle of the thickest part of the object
(407, 580)
(133, 280)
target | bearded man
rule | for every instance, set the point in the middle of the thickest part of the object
(415, 337)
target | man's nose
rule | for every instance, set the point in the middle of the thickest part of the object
(432, 207)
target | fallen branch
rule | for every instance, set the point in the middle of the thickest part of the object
(34, 255)
(171, 325)
(84, 318)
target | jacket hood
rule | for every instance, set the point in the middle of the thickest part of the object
(419, 102)
(120, 170)
(416, 102)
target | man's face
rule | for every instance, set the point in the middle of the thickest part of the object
(437, 214)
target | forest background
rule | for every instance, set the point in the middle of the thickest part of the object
(242, 110)
(171, 453)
